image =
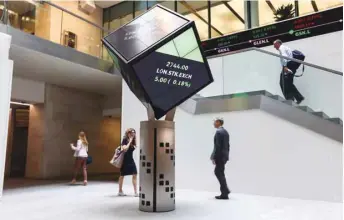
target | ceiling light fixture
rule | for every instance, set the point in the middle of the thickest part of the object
(9, 11)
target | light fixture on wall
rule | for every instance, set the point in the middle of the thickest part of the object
(87, 6)
(20, 103)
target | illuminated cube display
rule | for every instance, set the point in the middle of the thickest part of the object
(159, 57)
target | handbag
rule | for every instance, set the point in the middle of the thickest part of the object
(117, 159)
(89, 160)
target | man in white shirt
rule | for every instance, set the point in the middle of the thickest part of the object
(289, 68)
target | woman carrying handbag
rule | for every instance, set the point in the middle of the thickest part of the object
(124, 160)
(81, 157)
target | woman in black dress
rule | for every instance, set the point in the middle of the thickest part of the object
(128, 167)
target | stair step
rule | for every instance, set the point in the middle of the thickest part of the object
(277, 97)
(336, 120)
(289, 102)
(305, 108)
(268, 94)
(321, 114)
(235, 95)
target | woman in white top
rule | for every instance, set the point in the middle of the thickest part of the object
(80, 155)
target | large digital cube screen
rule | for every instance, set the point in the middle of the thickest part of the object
(144, 31)
(173, 72)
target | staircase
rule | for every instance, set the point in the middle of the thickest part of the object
(304, 116)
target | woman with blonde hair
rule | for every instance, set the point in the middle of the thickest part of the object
(128, 167)
(80, 155)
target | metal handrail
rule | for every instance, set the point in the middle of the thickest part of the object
(280, 56)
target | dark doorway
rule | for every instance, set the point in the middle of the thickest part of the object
(20, 117)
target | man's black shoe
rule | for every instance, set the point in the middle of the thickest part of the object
(299, 102)
(222, 197)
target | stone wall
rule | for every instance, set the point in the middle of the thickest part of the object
(56, 123)
(67, 111)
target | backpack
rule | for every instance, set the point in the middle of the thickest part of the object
(299, 56)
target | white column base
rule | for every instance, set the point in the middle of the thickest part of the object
(6, 73)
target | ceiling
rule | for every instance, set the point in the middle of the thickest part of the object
(106, 4)
(38, 66)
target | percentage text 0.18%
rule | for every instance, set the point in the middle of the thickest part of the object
(175, 82)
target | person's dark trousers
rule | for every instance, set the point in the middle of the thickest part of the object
(220, 174)
(289, 90)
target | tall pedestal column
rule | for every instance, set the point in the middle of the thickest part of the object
(6, 70)
(157, 166)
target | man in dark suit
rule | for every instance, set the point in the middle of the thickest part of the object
(220, 156)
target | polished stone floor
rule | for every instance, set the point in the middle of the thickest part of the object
(98, 201)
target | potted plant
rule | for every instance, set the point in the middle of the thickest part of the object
(284, 12)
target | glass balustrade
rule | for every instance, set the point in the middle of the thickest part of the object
(51, 23)
(253, 70)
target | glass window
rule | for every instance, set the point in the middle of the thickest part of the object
(126, 19)
(21, 15)
(43, 21)
(120, 21)
(106, 26)
(121, 14)
(151, 3)
(305, 7)
(106, 18)
(168, 4)
(266, 10)
(115, 24)
(80, 35)
(227, 17)
(198, 12)
(138, 13)
(140, 7)
(323, 5)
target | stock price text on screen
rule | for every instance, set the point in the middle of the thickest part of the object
(294, 29)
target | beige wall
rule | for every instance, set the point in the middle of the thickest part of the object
(42, 23)
(109, 139)
(35, 142)
(88, 36)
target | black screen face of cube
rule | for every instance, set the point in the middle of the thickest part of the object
(140, 34)
(173, 72)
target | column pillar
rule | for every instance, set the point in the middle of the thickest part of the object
(251, 14)
(157, 166)
(6, 71)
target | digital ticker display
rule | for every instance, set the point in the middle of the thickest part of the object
(294, 29)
